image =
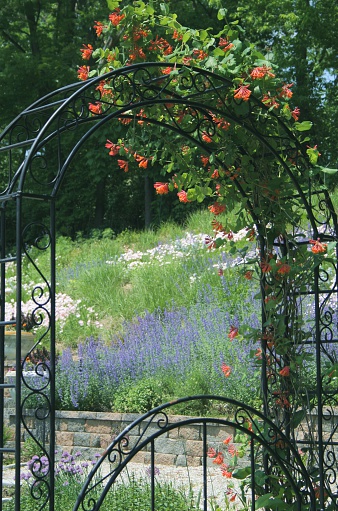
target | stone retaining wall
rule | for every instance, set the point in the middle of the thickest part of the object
(91, 433)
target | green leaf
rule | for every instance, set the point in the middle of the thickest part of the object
(191, 194)
(326, 170)
(271, 502)
(303, 126)
(113, 4)
(241, 473)
(186, 37)
(221, 13)
(150, 10)
(211, 62)
(203, 35)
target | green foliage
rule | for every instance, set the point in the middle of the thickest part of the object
(138, 396)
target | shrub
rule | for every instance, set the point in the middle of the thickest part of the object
(139, 396)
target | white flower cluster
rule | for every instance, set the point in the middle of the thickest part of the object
(163, 253)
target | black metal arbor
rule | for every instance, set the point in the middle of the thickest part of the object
(37, 150)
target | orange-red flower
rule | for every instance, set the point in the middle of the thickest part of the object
(141, 160)
(284, 268)
(123, 164)
(113, 148)
(83, 72)
(295, 113)
(227, 440)
(285, 371)
(177, 36)
(224, 44)
(261, 71)
(285, 91)
(115, 17)
(183, 196)
(138, 33)
(216, 208)
(233, 332)
(226, 370)
(187, 60)
(282, 399)
(248, 274)
(167, 71)
(318, 247)
(220, 122)
(270, 101)
(206, 137)
(161, 188)
(225, 471)
(265, 266)
(243, 92)
(95, 109)
(199, 54)
(231, 495)
(219, 459)
(86, 51)
(204, 160)
(98, 28)
(104, 91)
(232, 450)
(211, 452)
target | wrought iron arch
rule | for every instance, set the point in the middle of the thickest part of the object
(263, 437)
(44, 129)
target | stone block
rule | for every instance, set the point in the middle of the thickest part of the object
(64, 438)
(190, 432)
(193, 448)
(82, 439)
(105, 441)
(188, 461)
(169, 446)
(76, 425)
(161, 459)
(98, 426)
(217, 433)
(139, 457)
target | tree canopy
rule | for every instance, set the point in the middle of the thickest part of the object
(41, 46)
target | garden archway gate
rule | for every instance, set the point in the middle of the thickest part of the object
(37, 150)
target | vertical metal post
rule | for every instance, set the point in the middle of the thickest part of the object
(52, 355)
(18, 414)
(319, 389)
(2, 337)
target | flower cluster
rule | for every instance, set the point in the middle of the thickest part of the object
(69, 469)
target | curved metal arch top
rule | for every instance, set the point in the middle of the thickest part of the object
(262, 435)
(48, 124)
